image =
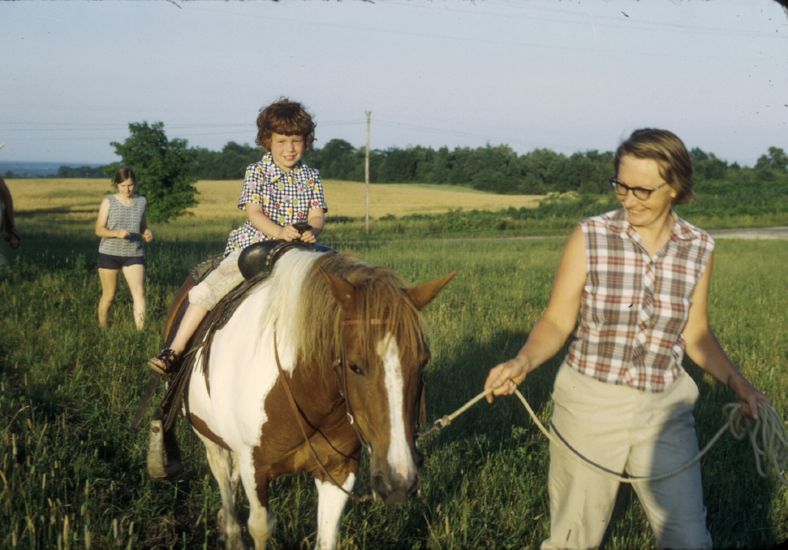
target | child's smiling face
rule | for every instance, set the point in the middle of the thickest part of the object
(286, 150)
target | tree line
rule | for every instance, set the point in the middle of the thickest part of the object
(168, 168)
(494, 168)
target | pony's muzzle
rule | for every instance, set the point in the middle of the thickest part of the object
(393, 488)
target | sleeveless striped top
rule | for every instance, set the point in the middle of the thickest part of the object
(128, 218)
(635, 306)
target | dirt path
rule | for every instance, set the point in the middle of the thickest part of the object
(752, 233)
(777, 233)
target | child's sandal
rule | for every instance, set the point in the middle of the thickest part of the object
(163, 362)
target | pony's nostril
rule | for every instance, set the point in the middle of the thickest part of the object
(380, 484)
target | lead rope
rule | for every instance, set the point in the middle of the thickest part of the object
(767, 437)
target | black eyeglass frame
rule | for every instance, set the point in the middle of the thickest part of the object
(640, 193)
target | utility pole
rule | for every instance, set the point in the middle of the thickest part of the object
(366, 172)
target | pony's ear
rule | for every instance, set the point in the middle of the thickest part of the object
(423, 294)
(340, 288)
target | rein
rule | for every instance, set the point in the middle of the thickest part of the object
(342, 383)
(773, 438)
(299, 420)
(341, 375)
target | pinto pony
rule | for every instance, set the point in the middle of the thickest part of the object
(323, 355)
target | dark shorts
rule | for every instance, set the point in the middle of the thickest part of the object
(108, 261)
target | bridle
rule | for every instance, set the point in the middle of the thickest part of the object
(340, 370)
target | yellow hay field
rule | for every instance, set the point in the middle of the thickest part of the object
(80, 198)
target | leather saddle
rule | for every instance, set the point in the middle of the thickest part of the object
(256, 263)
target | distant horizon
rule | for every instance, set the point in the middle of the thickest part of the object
(57, 162)
(34, 168)
(70, 163)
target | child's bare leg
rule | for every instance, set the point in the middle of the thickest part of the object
(191, 319)
(202, 298)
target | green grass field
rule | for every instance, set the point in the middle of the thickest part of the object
(72, 470)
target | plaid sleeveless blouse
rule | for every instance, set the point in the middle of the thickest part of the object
(634, 306)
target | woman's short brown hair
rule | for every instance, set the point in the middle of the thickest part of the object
(285, 117)
(665, 147)
(124, 173)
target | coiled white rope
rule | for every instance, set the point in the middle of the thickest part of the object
(767, 437)
(769, 429)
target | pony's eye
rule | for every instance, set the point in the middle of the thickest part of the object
(355, 368)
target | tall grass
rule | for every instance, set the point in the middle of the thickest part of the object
(72, 470)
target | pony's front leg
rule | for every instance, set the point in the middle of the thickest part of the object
(255, 483)
(331, 502)
(224, 466)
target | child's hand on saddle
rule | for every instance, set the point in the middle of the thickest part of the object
(122, 234)
(288, 233)
(308, 237)
(306, 233)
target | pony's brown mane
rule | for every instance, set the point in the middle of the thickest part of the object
(381, 299)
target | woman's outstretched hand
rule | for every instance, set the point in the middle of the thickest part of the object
(505, 377)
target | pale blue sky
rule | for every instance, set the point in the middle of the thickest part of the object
(563, 75)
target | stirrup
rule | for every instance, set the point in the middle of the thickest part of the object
(163, 460)
(163, 362)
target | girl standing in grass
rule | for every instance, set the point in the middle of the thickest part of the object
(278, 192)
(633, 286)
(123, 227)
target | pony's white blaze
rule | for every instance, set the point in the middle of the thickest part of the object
(399, 455)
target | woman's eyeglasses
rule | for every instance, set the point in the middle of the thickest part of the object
(641, 193)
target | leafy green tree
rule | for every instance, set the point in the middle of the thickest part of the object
(440, 166)
(398, 166)
(228, 164)
(335, 160)
(541, 170)
(706, 166)
(163, 167)
(772, 164)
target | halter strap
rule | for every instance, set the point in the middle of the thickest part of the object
(341, 375)
(299, 420)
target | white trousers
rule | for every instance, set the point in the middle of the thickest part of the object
(625, 430)
(218, 283)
